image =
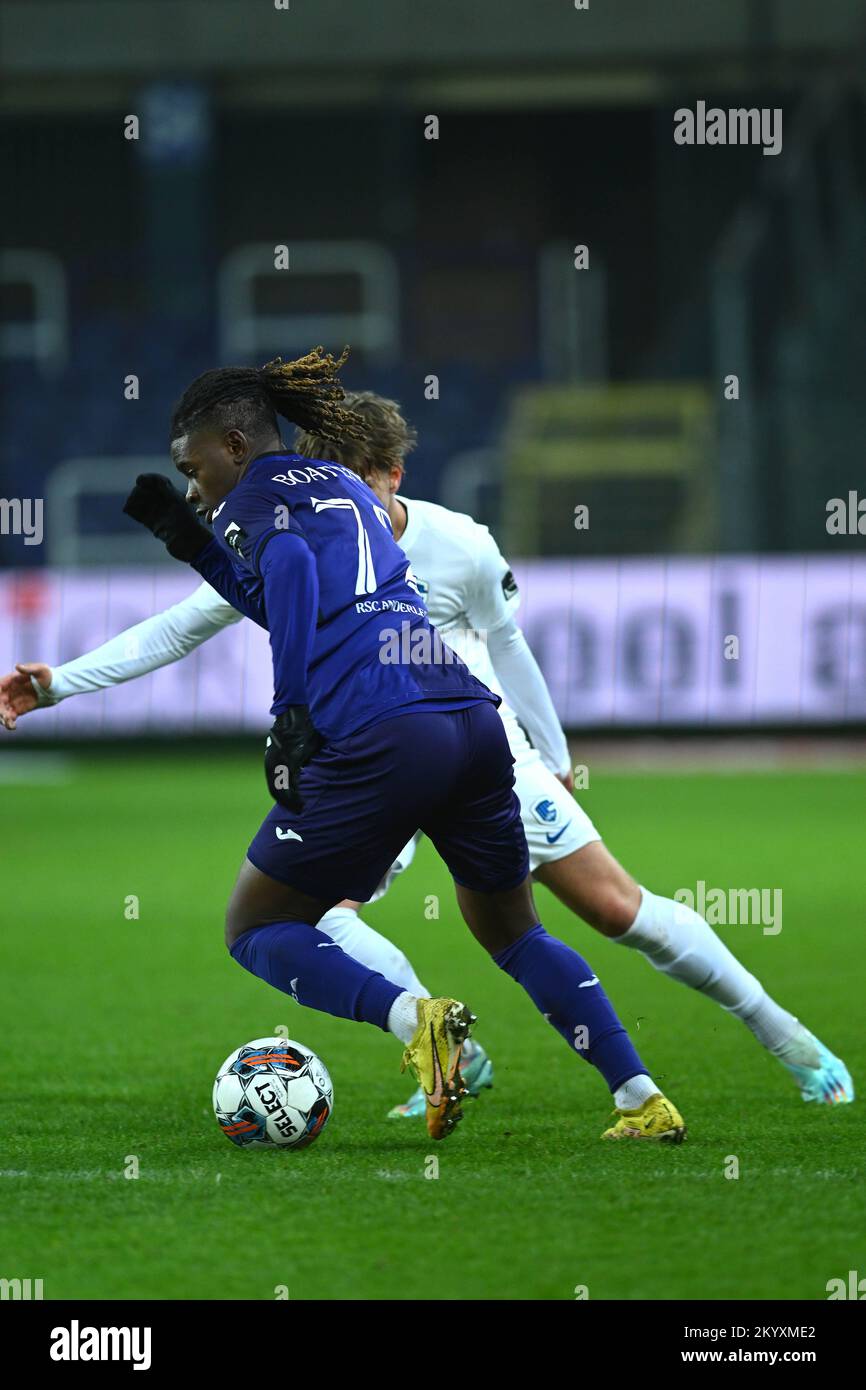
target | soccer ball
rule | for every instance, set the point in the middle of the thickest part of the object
(272, 1092)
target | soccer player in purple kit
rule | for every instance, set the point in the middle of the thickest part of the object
(306, 550)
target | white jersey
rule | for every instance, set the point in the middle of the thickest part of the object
(468, 589)
(471, 596)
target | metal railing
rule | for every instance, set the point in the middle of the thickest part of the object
(43, 338)
(246, 330)
(71, 483)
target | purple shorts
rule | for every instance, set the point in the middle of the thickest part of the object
(448, 773)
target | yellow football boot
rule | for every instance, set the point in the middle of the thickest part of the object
(433, 1056)
(657, 1118)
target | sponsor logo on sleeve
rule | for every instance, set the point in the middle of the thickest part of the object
(235, 535)
(420, 586)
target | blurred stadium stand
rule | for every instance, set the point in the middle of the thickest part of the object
(39, 334)
(353, 295)
(636, 456)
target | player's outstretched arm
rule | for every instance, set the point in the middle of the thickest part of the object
(245, 595)
(492, 600)
(291, 589)
(525, 689)
(155, 642)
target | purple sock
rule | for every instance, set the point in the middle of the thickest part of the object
(305, 963)
(560, 983)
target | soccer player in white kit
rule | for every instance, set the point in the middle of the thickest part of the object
(472, 597)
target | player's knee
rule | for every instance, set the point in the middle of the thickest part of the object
(233, 928)
(239, 919)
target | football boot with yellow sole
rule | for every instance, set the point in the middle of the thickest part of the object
(657, 1118)
(433, 1057)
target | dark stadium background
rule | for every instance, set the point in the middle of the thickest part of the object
(305, 127)
(308, 125)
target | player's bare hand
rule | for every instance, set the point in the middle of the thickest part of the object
(567, 779)
(17, 695)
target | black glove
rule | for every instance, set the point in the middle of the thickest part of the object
(165, 511)
(291, 743)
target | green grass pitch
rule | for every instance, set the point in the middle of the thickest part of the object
(114, 1029)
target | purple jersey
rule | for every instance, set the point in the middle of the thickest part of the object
(310, 544)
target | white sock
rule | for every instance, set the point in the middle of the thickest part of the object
(403, 1017)
(799, 1051)
(632, 1095)
(677, 941)
(343, 925)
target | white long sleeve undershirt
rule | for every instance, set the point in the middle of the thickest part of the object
(155, 642)
(525, 689)
(173, 634)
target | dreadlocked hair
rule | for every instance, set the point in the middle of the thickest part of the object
(306, 391)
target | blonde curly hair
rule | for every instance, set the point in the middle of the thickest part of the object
(388, 438)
